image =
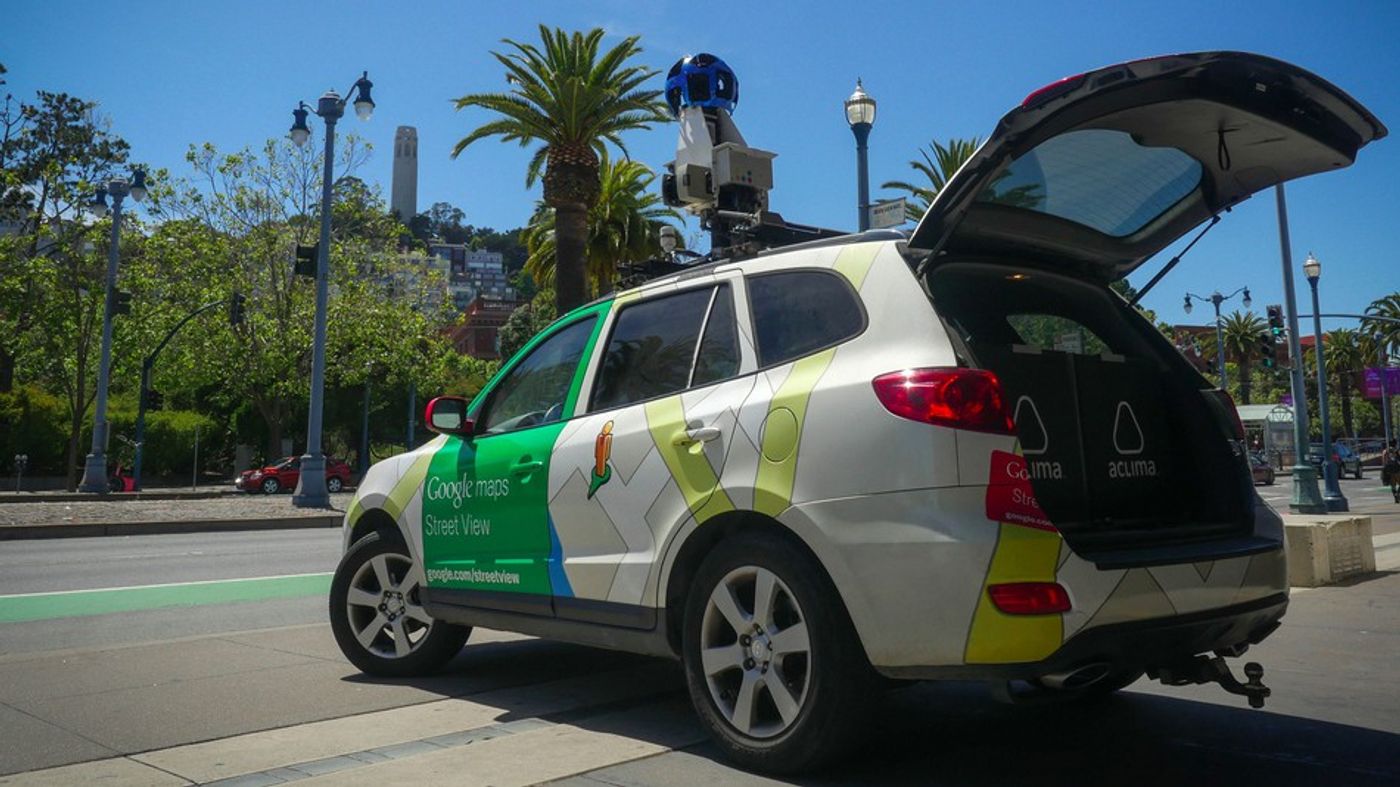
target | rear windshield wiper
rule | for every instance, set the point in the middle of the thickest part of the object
(1173, 261)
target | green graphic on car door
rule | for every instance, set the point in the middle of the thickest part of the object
(485, 515)
(486, 523)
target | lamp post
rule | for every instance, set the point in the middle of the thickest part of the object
(860, 114)
(311, 485)
(1215, 300)
(95, 468)
(1306, 498)
(1332, 495)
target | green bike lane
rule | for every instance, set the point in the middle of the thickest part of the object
(22, 607)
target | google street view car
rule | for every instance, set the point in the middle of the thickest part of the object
(802, 469)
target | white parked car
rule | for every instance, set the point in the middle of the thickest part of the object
(867, 457)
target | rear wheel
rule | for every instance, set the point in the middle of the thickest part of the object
(774, 667)
(377, 615)
(334, 484)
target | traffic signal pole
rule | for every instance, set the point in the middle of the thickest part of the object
(146, 391)
(1306, 497)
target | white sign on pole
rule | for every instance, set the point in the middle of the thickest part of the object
(889, 213)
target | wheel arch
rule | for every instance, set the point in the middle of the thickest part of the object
(698, 543)
(373, 520)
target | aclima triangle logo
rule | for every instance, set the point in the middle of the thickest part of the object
(1127, 432)
(1034, 439)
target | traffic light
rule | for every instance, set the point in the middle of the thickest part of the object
(1268, 351)
(306, 260)
(1275, 321)
(154, 399)
(236, 310)
(121, 303)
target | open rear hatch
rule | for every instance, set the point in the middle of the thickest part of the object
(1102, 170)
(1126, 445)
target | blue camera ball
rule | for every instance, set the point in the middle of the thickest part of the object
(701, 80)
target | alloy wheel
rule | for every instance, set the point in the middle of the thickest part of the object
(383, 605)
(755, 652)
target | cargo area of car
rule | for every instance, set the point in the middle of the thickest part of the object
(1126, 445)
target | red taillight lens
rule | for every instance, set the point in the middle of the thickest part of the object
(1029, 598)
(969, 399)
(1052, 90)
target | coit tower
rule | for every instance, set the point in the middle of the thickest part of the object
(403, 197)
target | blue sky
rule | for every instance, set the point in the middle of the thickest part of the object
(173, 73)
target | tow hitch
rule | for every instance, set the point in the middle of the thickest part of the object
(1213, 669)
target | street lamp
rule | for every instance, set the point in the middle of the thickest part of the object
(860, 114)
(95, 467)
(1215, 300)
(311, 485)
(1332, 492)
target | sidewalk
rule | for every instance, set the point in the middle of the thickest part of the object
(57, 496)
(89, 515)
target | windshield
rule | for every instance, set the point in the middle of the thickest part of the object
(1100, 178)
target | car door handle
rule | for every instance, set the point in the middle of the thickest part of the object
(702, 435)
(526, 467)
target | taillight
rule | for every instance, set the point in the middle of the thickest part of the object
(969, 399)
(1227, 402)
(1029, 598)
(1052, 90)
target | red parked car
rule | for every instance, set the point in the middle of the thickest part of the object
(283, 474)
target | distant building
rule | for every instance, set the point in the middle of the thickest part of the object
(479, 335)
(472, 273)
(403, 196)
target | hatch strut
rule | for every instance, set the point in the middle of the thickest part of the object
(1173, 261)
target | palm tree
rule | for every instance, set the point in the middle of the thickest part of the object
(1343, 360)
(572, 100)
(937, 169)
(1388, 307)
(623, 226)
(1243, 332)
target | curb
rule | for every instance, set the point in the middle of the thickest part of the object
(108, 497)
(99, 529)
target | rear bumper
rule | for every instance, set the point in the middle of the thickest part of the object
(1135, 644)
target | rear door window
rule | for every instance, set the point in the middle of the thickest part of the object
(718, 356)
(797, 313)
(651, 349)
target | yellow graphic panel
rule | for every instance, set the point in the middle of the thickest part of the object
(1023, 554)
(854, 262)
(408, 485)
(690, 468)
(773, 486)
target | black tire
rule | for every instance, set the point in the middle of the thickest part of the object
(334, 484)
(270, 486)
(837, 679)
(1270, 480)
(1359, 472)
(430, 645)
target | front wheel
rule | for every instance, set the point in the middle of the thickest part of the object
(775, 669)
(377, 613)
(271, 486)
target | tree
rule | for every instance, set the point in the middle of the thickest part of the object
(623, 226)
(1243, 331)
(525, 322)
(1344, 362)
(939, 168)
(233, 225)
(1389, 308)
(572, 100)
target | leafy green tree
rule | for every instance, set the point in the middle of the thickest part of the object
(527, 321)
(623, 226)
(571, 98)
(1243, 331)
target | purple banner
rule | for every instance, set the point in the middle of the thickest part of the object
(1373, 381)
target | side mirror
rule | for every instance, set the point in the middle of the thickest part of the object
(448, 415)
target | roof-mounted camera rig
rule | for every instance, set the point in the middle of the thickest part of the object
(716, 175)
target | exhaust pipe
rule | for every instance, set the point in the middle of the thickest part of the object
(1079, 677)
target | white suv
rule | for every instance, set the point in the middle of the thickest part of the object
(957, 454)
